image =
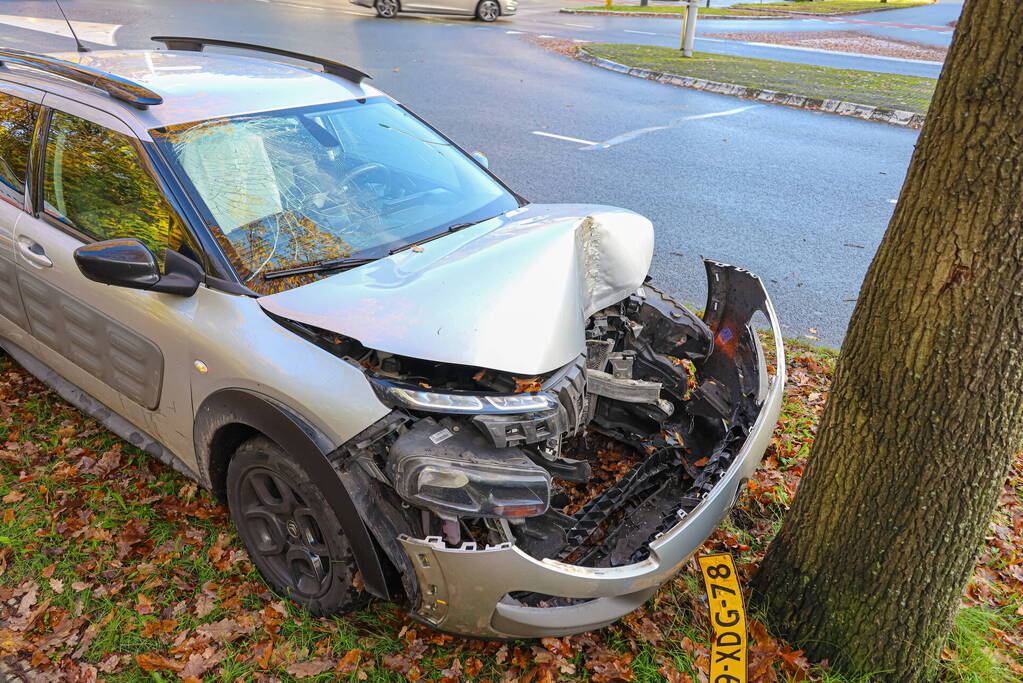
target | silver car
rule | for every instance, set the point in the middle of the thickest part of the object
(287, 286)
(484, 10)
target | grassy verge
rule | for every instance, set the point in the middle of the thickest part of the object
(113, 565)
(675, 9)
(890, 91)
(836, 6)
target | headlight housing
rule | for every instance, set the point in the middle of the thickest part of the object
(455, 471)
(465, 403)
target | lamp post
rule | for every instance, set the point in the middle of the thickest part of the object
(689, 27)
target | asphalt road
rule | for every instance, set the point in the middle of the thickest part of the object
(801, 198)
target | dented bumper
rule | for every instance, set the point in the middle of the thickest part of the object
(469, 590)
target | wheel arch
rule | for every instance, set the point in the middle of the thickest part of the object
(229, 417)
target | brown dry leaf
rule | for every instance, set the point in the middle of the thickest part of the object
(109, 665)
(57, 585)
(110, 461)
(398, 663)
(144, 605)
(225, 630)
(527, 384)
(311, 667)
(13, 497)
(674, 676)
(8, 516)
(350, 662)
(150, 661)
(204, 604)
(453, 673)
(199, 663)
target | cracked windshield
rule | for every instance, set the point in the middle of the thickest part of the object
(305, 188)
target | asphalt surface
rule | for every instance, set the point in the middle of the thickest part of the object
(801, 198)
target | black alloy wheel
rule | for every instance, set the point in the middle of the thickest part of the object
(291, 533)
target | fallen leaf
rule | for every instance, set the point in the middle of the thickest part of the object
(311, 667)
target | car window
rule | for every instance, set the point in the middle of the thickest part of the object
(350, 179)
(96, 183)
(17, 122)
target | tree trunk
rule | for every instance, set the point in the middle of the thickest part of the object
(926, 409)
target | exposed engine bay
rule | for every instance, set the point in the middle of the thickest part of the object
(587, 464)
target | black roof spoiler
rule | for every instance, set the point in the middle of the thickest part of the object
(197, 45)
(119, 88)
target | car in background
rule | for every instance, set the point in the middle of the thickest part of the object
(484, 10)
(403, 379)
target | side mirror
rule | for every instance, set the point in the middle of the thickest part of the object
(481, 159)
(126, 262)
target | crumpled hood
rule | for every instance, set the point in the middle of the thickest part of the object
(512, 293)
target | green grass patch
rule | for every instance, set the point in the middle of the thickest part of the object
(836, 6)
(890, 91)
(675, 9)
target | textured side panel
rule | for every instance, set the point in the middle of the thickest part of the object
(10, 298)
(103, 347)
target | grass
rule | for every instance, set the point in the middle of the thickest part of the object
(890, 91)
(773, 8)
(971, 644)
(675, 9)
(135, 570)
(836, 6)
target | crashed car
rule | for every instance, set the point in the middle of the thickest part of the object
(403, 379)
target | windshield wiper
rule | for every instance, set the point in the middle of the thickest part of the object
(339, 264)
(450, 229)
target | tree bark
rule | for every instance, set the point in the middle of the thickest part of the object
(926, 409)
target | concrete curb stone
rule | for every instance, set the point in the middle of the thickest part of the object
(863, 111)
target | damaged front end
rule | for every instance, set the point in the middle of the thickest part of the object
(540, 506)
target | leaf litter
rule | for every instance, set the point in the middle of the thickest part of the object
(114, 567)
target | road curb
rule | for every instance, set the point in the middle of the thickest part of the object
(669, 15)
(863, 111)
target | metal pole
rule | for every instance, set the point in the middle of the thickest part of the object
(689, 27)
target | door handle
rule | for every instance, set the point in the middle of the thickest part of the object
(33, 252)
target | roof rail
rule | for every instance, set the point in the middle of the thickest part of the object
(197, 45)
(119, 88)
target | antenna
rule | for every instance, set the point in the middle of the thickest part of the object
(78, 43)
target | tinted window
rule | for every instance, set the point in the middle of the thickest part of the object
(96, 183)
(17, 121)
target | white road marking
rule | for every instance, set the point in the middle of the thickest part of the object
(578, 25)
(91, 31)
(545, 36)
(513, 33)
(644, 33)
(624, 137)
(564, 137)
(295, 4)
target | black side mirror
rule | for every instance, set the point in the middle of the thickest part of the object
(126, 262)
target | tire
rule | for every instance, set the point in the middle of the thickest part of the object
(292, 535)
(387, 9)
(488, 10)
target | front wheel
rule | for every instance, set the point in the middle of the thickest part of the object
(388, 9)
(488, 10)
(291, 532)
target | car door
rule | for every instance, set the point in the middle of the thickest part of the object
(125, 347)
(19, 111)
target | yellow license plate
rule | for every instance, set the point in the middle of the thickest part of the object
(727, 618)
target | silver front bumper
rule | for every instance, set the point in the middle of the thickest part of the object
(465, 590)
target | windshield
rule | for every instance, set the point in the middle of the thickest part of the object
(348, 180)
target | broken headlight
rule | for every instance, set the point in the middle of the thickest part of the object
(417, 398)
(452, 469)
